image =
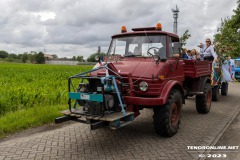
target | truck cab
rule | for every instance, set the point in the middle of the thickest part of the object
(147, 54)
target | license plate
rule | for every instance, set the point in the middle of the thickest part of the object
(84, 96)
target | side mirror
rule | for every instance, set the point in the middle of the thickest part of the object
(176, 47)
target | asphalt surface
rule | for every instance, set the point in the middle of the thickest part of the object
(136, 140)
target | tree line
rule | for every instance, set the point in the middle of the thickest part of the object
(38, 57)
(32, 57)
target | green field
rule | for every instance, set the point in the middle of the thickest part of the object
(32, 93)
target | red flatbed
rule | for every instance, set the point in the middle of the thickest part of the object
(196, 68)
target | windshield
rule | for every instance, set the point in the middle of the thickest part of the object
(138, 46)
(237, 63)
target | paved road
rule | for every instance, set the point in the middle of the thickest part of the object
(231, 137)
(135, 141)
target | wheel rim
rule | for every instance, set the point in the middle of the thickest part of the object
(175, 114)
(209, 98)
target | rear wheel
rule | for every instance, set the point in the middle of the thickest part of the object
(203, 102)
(224, 89)
(215, 93)
(166, 118)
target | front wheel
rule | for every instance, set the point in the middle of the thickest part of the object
(203, 102)
(166, 118)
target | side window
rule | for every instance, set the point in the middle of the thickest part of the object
(120, 47)
(170, 47)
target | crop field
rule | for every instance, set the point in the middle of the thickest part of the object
(32, 95)
(27, 85)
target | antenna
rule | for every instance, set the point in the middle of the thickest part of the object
(99, 50)
(175, 17)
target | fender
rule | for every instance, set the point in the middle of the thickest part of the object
(205, 80)
(168, 87)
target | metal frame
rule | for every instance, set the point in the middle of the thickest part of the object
(94, 97)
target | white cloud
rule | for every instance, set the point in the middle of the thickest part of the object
(44, 16)
(77, 27)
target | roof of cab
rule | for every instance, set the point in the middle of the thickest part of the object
(144, 31)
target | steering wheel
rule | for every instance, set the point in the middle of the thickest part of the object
(155, 50)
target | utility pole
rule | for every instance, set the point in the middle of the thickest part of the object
(175, 17)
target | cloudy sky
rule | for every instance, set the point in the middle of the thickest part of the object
(76, 27)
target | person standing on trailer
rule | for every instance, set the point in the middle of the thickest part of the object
(207, 51)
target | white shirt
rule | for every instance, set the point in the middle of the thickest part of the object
(208, 51)
(232, 62)
(192, 57)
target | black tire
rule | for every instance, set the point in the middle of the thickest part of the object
(166, 118)
(203, 102)
(215, 93)
(224, 89)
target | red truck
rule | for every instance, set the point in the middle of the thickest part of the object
(142, 69)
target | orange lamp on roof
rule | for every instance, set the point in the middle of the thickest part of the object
(124, 29)
(159, 26)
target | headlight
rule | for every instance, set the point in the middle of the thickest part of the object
(143, 86)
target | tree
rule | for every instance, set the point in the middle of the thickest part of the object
(184, 37)
(74, 58)
(40, 59)
(19, 56)
(91, 58)
(32, 57)
(3, 54)
(24, 57)
(80, 59)
(228, 38)
(12, 55)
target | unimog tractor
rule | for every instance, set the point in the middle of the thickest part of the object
(142, 69)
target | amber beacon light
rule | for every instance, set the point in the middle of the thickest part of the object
(159, 26)
(124, 29)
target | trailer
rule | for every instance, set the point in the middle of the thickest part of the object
(142, 69)
(221, 75)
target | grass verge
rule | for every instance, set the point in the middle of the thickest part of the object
(26, 118)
